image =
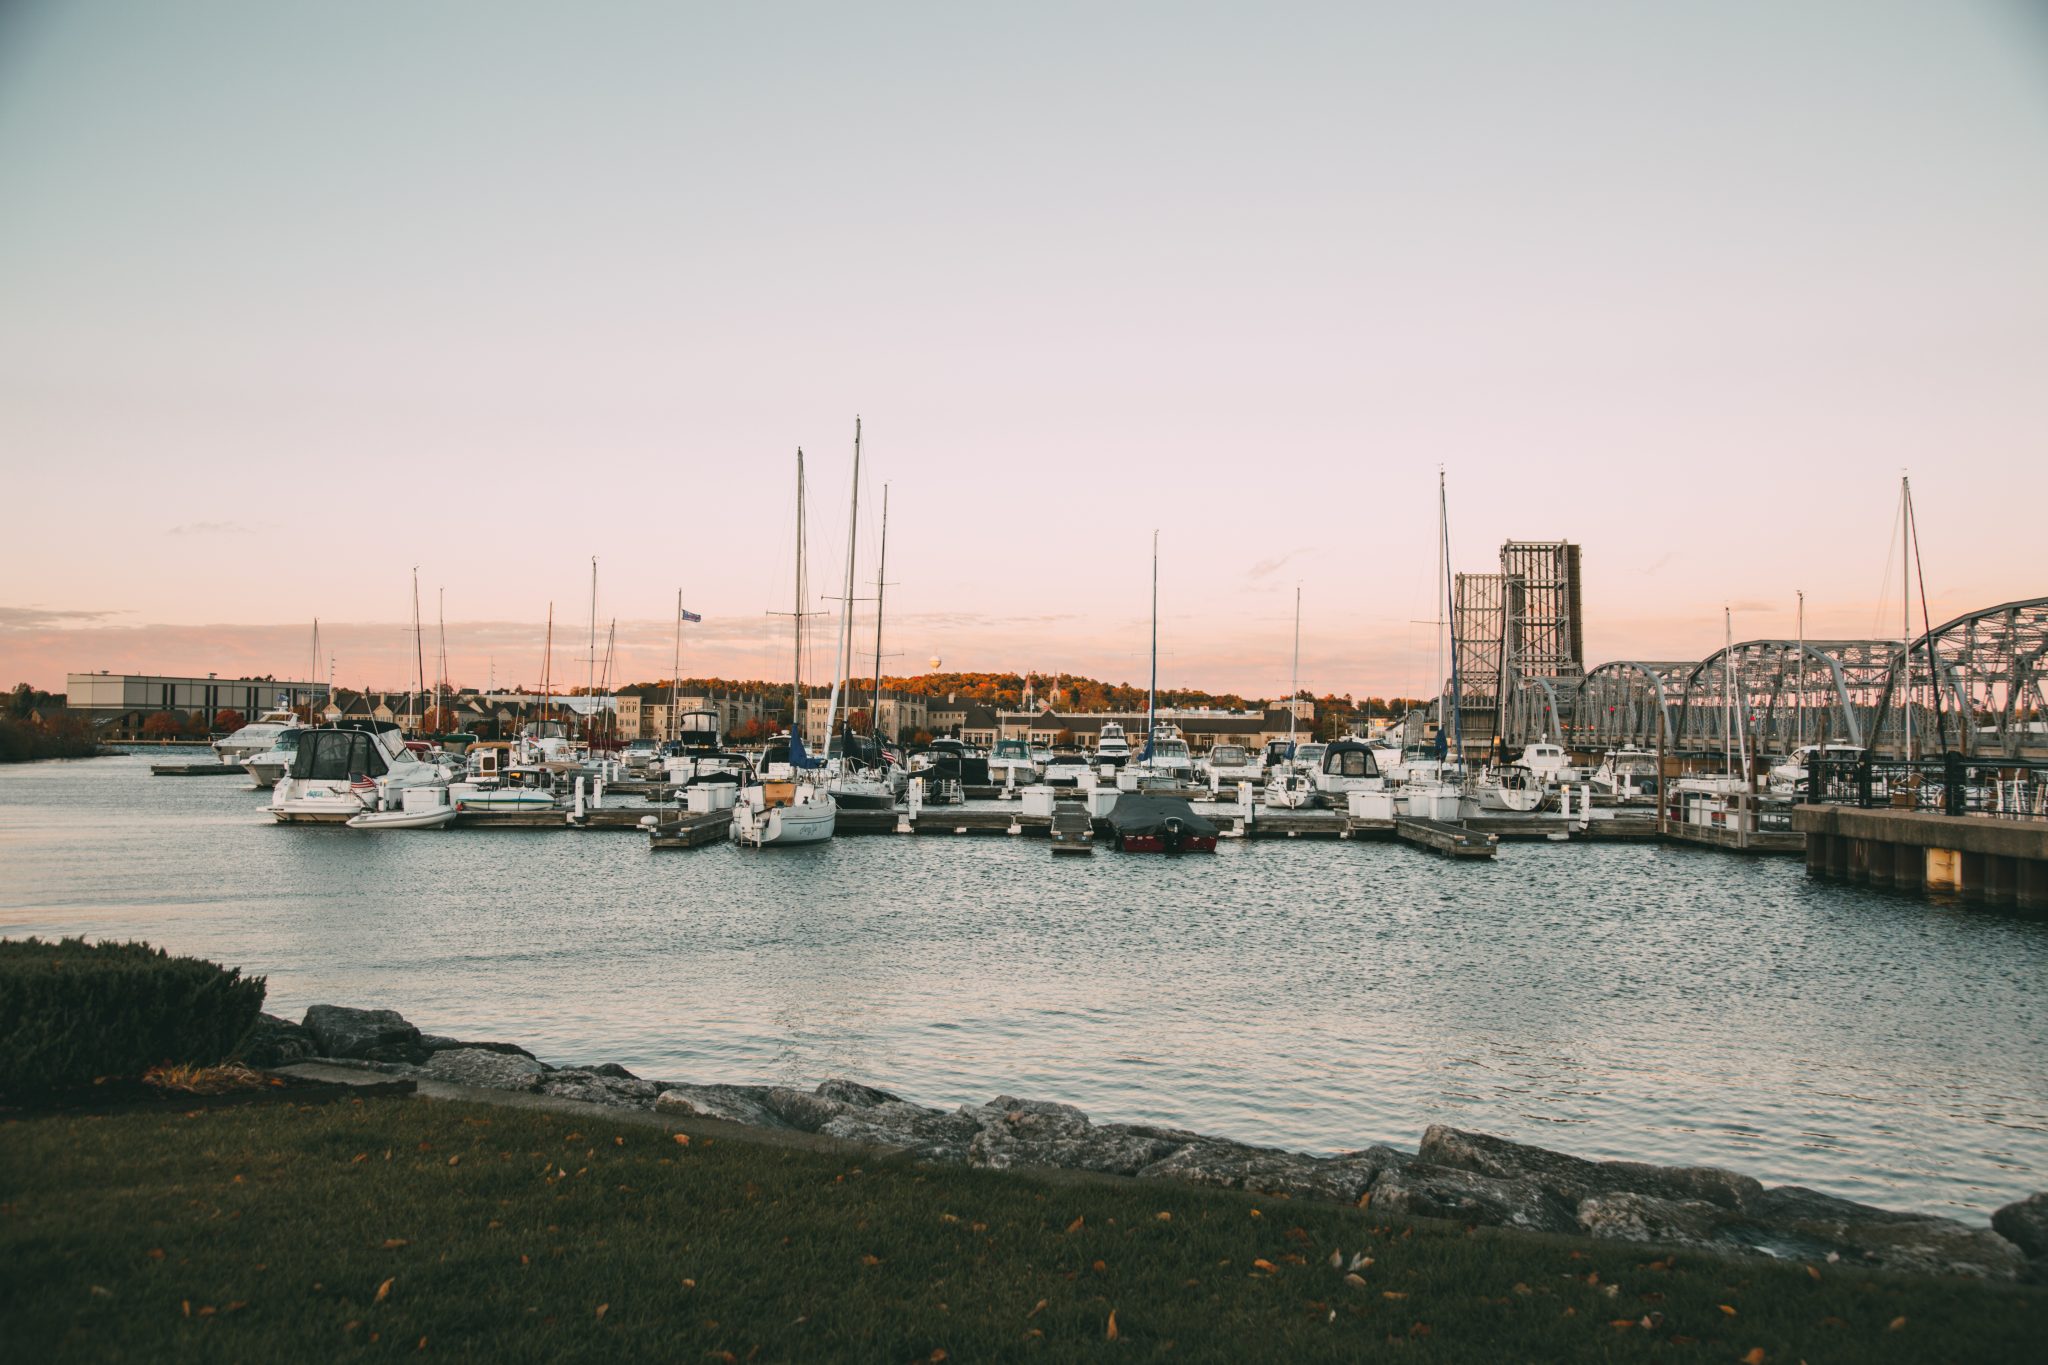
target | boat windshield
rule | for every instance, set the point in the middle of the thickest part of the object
(1169, 748)
(1012, 748)
(338, 755)
(1228, 755)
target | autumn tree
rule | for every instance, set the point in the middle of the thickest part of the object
(164, 725)
(228, 720)
(439, 720)
(859, 721)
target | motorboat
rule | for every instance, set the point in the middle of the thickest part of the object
(1626, 775)
(1346, 766)
(418, 808)
(1167, 755)
(1279, 753)
(1549, 762)
(1160, 824)
(257, 737)
(469, 797)
(1112, 746)
(1011, 765)
(1789, 775)
(866, 779)
(1230, 764)
(1067, 769)
(641, 755)
(267, 767)
(340, 772)
(1309, 757)
(1512, 790)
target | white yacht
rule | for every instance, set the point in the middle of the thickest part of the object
(1168, 754)
(1626, 775)
(779, 813)
(259, 736)
(1230, 764)
(1344, 767)
(1549, 763)
(267, 767)
(1791, 773)
(1112, 747)
(1011, 763)
(340, 773)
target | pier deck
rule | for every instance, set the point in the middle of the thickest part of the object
(194, 769)
(1455, 841)
(689, 830)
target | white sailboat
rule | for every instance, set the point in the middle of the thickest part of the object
(1289, 786)
(1438, 794)
(876, 785)
(776, 813)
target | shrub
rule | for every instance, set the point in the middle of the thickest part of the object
(73, 1011)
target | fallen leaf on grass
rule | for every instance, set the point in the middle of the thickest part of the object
(682, 1139)
(1393, 1294)
(1728, 1310)
(1099, 1267)
(603, 1308)
(100, 1291)
(1359, 1261)
(1263, 1264)
(1110, 1331)
(1814, 1273)
(870, 1259)
(384, 1289)
(394, 1243)
(1075, 1226)
(689, 1284)
(156, 1253)
(1163, 1217)
(1755, 1356)
(1356, 1281)
(1036, 1309)
(1895, 1324)
(1621, 1324)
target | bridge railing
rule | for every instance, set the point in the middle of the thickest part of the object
(1950, 784)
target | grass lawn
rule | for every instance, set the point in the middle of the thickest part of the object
(399, 1226)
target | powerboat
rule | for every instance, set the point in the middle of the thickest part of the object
(267, 767)
(1549, 762)
(257, 737)
(1160, 824)
(1346, 766)
(1789, 775)
(1626, 775)
(341, 772)
(418, 808)
(1112, 746)
(1011, 764)
(1067, 769)
(1230, 764)
(1167, 755)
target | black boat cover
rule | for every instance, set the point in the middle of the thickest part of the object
(1134, 816)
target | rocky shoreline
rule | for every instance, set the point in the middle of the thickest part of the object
(1463, 1176)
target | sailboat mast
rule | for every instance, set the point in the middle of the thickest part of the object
(419, 646)
(1799, 696)
(796, 687)
(590, 675)
(881, 569)
(1443, 502)
(1906, 605)
(1727, 691)
(441, 688)
(1294, 673)
(839, 672)
(1152, 688)
(547, 671)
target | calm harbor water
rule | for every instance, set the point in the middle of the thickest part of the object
(1639, 1002)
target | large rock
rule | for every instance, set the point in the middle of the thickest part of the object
(482, 1066)
(1646, 1218)
(599, 1085)
(1790, 1219)
(436, 1042)
(1572, 1178)
(272, 1042)
(1430, 1191)
(733, 1103)
(2025, 1224)
(364, 1035)
(1013, 1132)
(854, 1093)
(1267, 1170)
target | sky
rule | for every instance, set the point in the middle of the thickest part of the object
(295, 297)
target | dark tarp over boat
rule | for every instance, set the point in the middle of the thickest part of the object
(1160, 824)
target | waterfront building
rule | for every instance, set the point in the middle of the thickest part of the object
(121, 702)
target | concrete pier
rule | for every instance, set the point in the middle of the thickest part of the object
(1979, 858)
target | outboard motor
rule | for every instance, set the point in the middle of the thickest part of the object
(1170, 837)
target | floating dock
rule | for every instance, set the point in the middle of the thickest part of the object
(195, 769)
(691, 830)
(1440, 836)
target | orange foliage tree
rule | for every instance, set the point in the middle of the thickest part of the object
(228, 719)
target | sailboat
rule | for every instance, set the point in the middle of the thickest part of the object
(1289, 786)
(1434, 791)
(785, 811)
(422, 804)
(1165, 761)
(875, 784)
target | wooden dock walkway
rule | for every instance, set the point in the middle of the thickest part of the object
(689, 830)
(195, 769)
(1455, 841)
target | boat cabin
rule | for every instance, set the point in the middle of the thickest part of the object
(1349, 758)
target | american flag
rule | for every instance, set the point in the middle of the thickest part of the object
(362, 784)
(693, 616)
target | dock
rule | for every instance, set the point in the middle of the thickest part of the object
(195, 769)
(1977, 858)
(1454, 841)
(690, 830)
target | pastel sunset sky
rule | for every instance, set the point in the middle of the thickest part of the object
(297, 296)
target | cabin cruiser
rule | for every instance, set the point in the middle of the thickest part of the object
(1308, 757)
(948, 767)
(341, 772)
(641, 755)
(867, 775)
(1511, 790)
(1067, 769)
(1011, 764)
(267, 767)
(1626, 775)
(259, 736)
(1346, 766)
(1112, 746)
(1279, 753)
(1167, 755)
(1787, 776)
(1230, 764)
(1549, 762)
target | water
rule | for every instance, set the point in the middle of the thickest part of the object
(1612, 1001)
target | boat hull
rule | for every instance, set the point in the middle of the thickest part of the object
(807, 822)
(437, 818)
(1155, 843)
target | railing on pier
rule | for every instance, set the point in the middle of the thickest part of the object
(1951, 784)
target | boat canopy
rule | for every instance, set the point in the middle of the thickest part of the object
(1349, 758)
(338, 755)
(1136, 816)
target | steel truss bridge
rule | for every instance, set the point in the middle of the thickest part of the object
(1977, 685)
